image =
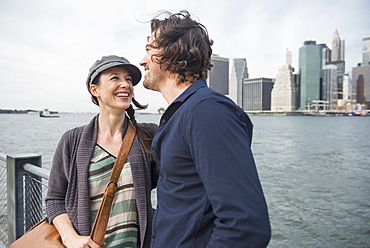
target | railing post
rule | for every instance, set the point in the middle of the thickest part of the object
(15, 193)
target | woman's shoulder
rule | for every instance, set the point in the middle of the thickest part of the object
(72, 135)
(77, 131)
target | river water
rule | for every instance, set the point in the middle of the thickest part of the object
(315, 171)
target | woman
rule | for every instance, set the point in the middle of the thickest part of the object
(84, 159)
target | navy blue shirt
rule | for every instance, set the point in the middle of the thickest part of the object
(209, 193)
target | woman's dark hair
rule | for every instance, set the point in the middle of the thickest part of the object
(185, 46)
(145, 135)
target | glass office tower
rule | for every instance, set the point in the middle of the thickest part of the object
(310, 69)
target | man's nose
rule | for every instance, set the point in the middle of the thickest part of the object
(142, 62)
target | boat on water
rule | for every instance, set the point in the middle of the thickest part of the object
(49, 114)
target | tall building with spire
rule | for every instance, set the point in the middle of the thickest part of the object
(239, 72)
(284, 91)
(337, 50)
(333, 74)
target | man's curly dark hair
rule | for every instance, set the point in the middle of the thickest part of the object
(185, 48)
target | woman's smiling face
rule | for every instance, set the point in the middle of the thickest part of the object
(115, 89)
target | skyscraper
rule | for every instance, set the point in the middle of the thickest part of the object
(337, 58)
(366, 51)
(257, 94)
(333, 73)
(361, 76)
(337, 53)
(239, 72)
(218, 78)
(329, 85)
(310, 68)
(283, 94)
(348, 94)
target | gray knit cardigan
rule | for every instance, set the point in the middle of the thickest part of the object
(68, 190)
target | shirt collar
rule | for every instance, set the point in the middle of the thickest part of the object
(176, 104)
(190, 90)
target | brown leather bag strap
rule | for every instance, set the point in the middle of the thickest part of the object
(100, 224)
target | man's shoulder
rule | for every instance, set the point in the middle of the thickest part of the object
(207, 95)
(209, 102)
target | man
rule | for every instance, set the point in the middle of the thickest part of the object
(209, 193)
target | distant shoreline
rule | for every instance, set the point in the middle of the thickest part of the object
(310, 113)
(265, 112)
(15, 111)
(32, 111)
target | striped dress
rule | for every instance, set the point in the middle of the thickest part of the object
(123, 224)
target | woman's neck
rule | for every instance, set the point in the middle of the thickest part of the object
(110, 124)
(110, 132)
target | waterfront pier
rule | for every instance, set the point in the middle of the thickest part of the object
(23, 187)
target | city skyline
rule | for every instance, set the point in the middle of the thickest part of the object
(48, 47)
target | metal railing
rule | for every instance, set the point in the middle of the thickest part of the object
(3, 209)
(23, 185)
(22, 193)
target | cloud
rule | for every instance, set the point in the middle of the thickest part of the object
(47, 47)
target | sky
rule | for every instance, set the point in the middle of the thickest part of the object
(48, 46)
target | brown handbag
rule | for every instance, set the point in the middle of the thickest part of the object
(45, 235)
